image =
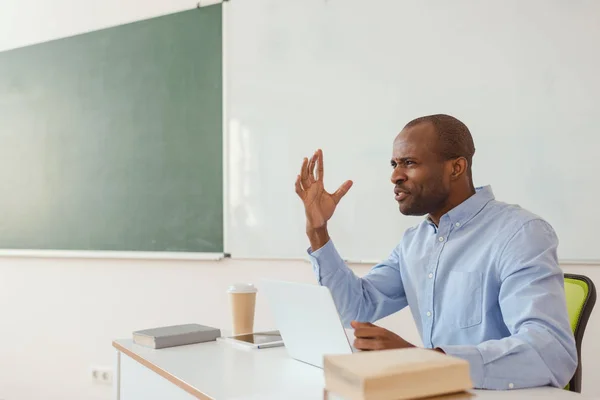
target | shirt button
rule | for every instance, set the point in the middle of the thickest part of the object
(457, 224)
(429, 313)
(441, 238)
(430, 275)
(511, 385)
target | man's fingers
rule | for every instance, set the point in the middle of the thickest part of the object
(320, 165)
(341, 192)
(311, 168)
(299, 190)
(369, 332)
(304, 173)
(368, 344)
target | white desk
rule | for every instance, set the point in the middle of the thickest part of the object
(217, 370)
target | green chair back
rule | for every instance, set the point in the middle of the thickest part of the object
(581, 297)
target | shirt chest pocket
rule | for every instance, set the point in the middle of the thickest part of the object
(463, 299)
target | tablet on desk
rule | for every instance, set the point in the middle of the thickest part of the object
(256, 340)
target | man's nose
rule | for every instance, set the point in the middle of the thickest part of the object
(398, 176)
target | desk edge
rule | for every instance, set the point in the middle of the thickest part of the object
(173, 379)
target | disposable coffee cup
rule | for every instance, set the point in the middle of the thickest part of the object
(242, 299)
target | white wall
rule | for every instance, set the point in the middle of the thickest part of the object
(60, 316)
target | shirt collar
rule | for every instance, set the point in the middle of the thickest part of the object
(466, 210)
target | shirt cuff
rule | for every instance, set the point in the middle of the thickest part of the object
(326, 247)
(326, 261)
(473, 356)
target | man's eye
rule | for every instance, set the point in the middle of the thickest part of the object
(409, 162)
(393, 164)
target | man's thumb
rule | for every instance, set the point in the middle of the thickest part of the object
(341, 192)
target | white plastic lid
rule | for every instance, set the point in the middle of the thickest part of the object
(242, 288)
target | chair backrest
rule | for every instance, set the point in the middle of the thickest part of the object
(581, 297)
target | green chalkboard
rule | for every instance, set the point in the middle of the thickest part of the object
(112, 140)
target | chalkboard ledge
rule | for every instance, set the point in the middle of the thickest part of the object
(122, 255)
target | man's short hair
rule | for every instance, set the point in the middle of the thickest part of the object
(454, 138)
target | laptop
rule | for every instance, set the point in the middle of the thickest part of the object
(307, 320)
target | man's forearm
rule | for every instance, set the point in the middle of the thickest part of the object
(317, 237)
(366, 299)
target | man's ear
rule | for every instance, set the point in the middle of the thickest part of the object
(459, 167)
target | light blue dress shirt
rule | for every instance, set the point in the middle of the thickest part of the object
(484, 286)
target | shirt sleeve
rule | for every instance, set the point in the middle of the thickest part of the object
(367, 299)
(541, 348)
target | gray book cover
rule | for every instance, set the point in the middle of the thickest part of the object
(175, 335)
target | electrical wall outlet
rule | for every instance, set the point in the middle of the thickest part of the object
(102, 375)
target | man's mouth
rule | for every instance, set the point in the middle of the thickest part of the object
(400, 195)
